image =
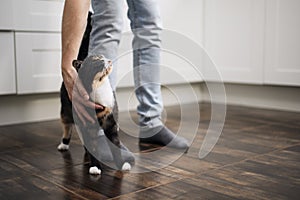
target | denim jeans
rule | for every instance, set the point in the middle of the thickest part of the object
(144, 15)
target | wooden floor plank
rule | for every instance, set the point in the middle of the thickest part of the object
(256, 157)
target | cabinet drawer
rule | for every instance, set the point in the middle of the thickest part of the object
(6, 15)
(37, 15)
(38, 62)
(7, 63)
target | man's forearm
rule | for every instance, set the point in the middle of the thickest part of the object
(73, 26)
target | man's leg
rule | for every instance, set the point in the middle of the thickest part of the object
(146, 27)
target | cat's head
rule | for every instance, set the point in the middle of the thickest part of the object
(93, 70)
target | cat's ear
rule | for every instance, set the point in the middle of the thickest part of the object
(77, 64)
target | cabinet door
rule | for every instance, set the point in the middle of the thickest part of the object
(282, 42)
(234, 38)
(38, 62)
(37, 15)
(7, 63)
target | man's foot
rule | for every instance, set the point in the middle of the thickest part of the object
(163, 136)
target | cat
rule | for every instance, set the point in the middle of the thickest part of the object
(93, 72)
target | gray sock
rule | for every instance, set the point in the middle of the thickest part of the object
(163, 136)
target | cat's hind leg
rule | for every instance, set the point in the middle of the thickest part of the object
(121, 155)
(94, 168)
(65, 141)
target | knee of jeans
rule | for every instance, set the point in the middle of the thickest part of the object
(144, 14)
(151, 21)
(108, 15)
(108, 23)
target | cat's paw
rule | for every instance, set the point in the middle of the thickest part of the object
(94, 170)
(126, 167)
(63, 147)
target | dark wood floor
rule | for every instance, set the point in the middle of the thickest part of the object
(256, 157)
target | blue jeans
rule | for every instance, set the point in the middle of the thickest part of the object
(107, 23)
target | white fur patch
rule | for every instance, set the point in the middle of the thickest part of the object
(126, 167)
(63, 147)
(103, 94)
(94, 170)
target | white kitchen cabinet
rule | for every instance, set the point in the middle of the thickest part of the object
(7, 63)
(282, 63)
(234, 39)
(36, 25)
(38, 62)
(37, 15)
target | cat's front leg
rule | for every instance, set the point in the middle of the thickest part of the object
(122, 156)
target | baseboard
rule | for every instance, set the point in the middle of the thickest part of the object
(17, 109)
(259, 96)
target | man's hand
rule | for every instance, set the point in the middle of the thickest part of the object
(79, 96)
